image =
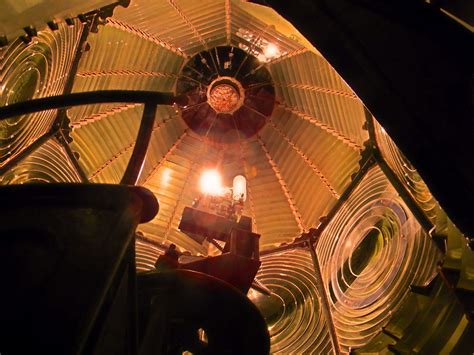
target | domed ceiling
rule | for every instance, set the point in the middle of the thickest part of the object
(345, 232)
(297, 136)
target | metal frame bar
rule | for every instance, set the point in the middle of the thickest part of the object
(61, 115)
(299, 244)
(149, 98)
(420, 216)
(77, 56)
(371, 128)
(85, 98)
(63, 142)
(325, 307)
(368, 161)
(132, 287)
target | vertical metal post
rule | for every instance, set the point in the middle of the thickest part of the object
(61, 115)
(77, 56)
(62, 140)
(325, 307)
(370, 128)
(132, 298)
(393, 178)
(420, 216)
(367, 162)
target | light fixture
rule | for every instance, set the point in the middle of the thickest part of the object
(271, 51)
(239, 188)
(211, 183)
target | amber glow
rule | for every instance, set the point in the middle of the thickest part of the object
(271, 51)
(166, 177)
(211, 182)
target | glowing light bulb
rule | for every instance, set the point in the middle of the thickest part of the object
(211, 182)
(239, 188)
(271, 51)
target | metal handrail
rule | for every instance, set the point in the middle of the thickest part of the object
(149, 98)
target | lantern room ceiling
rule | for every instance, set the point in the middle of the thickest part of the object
(297, 149)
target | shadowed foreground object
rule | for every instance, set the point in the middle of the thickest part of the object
(73, 256)
(175, 305)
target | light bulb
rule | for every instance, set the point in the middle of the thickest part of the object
(211, 182)
(239, 188)
(271, 51)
